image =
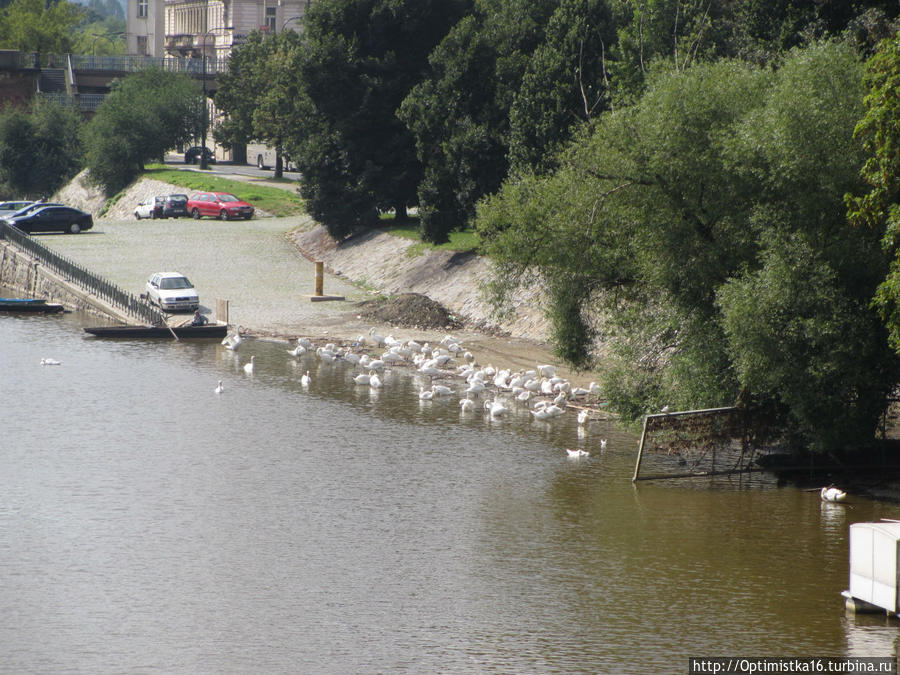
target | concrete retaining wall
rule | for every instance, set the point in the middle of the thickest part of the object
(30, 279)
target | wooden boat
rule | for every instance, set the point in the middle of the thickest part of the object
(29, 305)
(210, 330)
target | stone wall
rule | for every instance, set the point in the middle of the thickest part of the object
(30, 279)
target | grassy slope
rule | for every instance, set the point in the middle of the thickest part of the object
(287, 202)
(277, 201)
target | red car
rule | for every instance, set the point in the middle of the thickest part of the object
(222, 205)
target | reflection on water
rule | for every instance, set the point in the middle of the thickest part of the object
(148, 524)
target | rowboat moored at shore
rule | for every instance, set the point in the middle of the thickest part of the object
(29, 305)
(210, 330)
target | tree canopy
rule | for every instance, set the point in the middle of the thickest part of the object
(701, 234)
(144, 115)
(39, 149)
(39, 26)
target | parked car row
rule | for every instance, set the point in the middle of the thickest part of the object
(47, 217)
(222, 205)
(162, 206)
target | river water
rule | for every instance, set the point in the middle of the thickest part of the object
(149, 525)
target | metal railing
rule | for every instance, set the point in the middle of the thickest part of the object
(130, 64)
(76, 274)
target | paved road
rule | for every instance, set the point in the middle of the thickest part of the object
(249, 263)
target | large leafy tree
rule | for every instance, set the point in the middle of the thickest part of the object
(700, 234)
(360, 60)
(144, 115)
(879, 209)
(39, 26)
(258, 93)
(39, 150)
(460, 113)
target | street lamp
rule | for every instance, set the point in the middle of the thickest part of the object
(204, 165)
(287, 21)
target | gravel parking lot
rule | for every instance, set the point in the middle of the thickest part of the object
(250, 263)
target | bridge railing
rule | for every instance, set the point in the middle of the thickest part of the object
(129, 64)
(78, 275)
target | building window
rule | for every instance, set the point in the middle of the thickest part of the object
(142, 45)
(270, 18)
(142, 9)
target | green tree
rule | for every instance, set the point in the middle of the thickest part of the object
(39, 26)
(144, 115)
(460, 114)
(565, 83)
(879, 209)
(40, 149)
(360, 60)
(701, 237)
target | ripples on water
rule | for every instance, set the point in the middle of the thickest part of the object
(148, 525)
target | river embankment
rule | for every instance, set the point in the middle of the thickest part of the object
(376, 262)
(264, 268)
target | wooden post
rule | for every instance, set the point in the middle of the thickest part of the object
(637, 464)
(221, 311)
(320, 278)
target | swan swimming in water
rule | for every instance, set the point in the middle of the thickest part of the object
(375, 381)
(305, 379)
(248, 367)
(425, 394)
(466, 405)
(50, 362)
(577, 452)
(219, 388)
(234, 340)
(583, 417)
(832, 494)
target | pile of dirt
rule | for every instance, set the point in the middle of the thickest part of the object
(410, 310)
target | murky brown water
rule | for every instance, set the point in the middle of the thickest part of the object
(150, 525)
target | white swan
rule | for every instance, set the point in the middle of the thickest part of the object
(466, 405)
(594, 389)
(377, 339)
(219, 388)
(603, 444)
(577, 452)
(305, 379)
(425, 394)
(375, 381)
(583, 417)
(362, 378)
(441, 390)
(50, 362)
(234, 340)
(248, 367)
(496, 408)
(299, 350)
(546, 371)
(832, 494)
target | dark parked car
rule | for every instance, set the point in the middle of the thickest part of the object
(53, 219)
(192, 155)
(175, 206)
(9, 207)
(33, 206)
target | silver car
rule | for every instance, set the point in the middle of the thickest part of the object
(173, 292)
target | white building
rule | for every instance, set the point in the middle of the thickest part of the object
(183, 28)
